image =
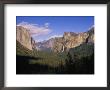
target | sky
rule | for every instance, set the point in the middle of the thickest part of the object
(46, 27)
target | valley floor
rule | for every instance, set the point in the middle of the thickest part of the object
(51, 63)
(41, 62)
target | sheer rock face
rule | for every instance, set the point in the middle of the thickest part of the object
(71, 40)
(23, 36)
(47, 44)
(33, 43)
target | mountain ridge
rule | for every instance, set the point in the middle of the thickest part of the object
(24, 38)
(68, 40)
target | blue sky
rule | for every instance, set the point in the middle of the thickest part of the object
(45, 27)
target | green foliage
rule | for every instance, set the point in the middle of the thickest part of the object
(23, 51)
(84, 50)
(79, 60)
(49, 58)
(41, 61)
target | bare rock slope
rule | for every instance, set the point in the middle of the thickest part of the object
(69, 40)
(24, 38)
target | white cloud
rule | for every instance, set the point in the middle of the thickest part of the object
(35, 29)
(47, 24)
(91, 27)
(53, 36)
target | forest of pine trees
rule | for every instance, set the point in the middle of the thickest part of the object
(79, 60)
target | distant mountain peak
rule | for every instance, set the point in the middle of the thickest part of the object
(67, 41)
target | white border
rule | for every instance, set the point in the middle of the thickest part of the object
(99, 79)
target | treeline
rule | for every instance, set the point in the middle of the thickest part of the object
(79, 60)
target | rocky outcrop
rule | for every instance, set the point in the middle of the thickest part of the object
(33, 43)
(23, 36)
(45, 45)
(71, 40)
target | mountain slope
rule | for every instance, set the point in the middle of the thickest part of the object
(23, 36)
(81, 59)
(22, 50)
(84, 50)
(71, 54)
(69, 40)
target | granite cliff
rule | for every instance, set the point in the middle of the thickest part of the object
(69, 40)
(24, 38)
(45, 45)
